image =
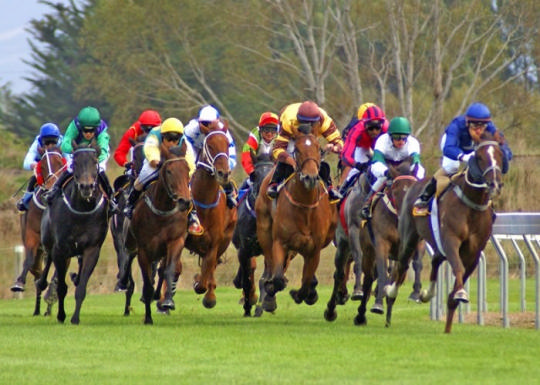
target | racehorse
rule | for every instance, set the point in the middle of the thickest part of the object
(369, 242)
(218, 220)
(50, 167)
(158, 228)
(301, 219)
(119, 223)
(245, 235)
(458, 227)
(75, 224)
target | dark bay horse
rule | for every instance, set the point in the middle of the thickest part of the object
(50, 167)
(119, 223)
(218, 220)
(245, 235)
(458, 227)
(301, 219)
(75, 224)
(158, 229)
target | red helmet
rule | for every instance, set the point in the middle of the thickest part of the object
(150, 118)
(373, 113)
(308, 112)
(268, 118)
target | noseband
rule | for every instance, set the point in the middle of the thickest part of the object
(493, 167)
(163, 176)
(47, 155)
(207, 160)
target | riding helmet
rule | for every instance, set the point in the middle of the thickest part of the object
(362, 109)
(373, 112)
(399, 125)
(268, 119)
(308, 112)
(150, 118)
(478, 111)
(172, 125)
(89, 117)
(49, 129)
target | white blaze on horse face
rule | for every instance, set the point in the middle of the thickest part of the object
(491, 152)
(308, 142)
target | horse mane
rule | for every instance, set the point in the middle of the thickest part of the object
(179, 150)
(486, 135)
(93, 144)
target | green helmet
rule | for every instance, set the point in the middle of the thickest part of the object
(399, 125)
(89, 117)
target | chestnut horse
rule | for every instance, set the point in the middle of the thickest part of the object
(51, 166)
(301, 219)
(218, 220)
(370, 242)
(245, 235)
(158, 229)
(457, 228)
(75, 224)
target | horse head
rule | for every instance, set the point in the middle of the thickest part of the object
(485, 167)
(215, 156)
(174, 175)
(51, 165)
(263, 164)
(85, 168)
(307, 155)
(137, 154)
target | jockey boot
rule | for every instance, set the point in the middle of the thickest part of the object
(426, 194)
(130, 204)
(282, 171)
(22, 204)
(106, 186)
(231, 195)
(194, 225)
(366, 207)
(57, 187)
(324, 174)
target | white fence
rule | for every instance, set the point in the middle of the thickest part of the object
(509, 228)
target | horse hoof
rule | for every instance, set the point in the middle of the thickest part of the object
(269, 304)
(377, 309)
(312, 298)
(120, 288)
(341, 299)
(208, 303)
(295, 296)
(17, 287)
(360, 320)
(461, 296)
(258, 311)
(167, 304)
(198, 287)
(357, 295)
(330, 315)
(415, 297)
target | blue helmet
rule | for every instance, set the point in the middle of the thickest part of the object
(48, 129)
(478, 111)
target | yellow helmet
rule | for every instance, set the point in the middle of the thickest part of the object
(362, 109)
(172, 125)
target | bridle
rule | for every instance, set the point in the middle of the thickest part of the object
(207, 160)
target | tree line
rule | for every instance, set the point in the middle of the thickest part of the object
(426, 60)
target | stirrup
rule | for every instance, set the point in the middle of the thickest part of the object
(21, 206)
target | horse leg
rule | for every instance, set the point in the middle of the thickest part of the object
(87, 263)
(427, 295)
(51, 296)
(60, 265)
(360, 318)
(277, 280)
(307, 292)
(382, 250)
(147, 272)
(266, 302)
(417, 267)
(341, 262)
(246, 281)
(130, 287)
(356, 252)
(204, 282)
(399, 270)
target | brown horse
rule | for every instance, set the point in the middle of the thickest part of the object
(51, 166)
(158, 229)
(458, 227)
(301, 219)
(218, 220)
(370, 242)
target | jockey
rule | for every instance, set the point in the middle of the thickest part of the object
(260, 141)
(457, 145)
(196, 131)
(48, 137)
(292, 117)
(356, 118)
(87, 126)
(146, 122)
(170, 133)
(395, 146)
(360, 142)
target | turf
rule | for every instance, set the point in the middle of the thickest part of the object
(295, 345)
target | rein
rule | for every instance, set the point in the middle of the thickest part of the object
(148, 200)
(74, 211)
